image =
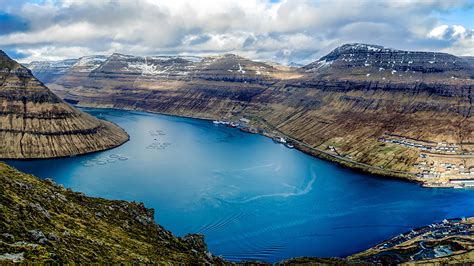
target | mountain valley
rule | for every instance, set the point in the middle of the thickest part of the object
(385, 111)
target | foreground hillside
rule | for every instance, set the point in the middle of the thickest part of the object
(385, 111)
(35, 123)
(44, 222)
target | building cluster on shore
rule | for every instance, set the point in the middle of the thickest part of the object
(441, 163)
(440, 147)
(432, 233)
(436, 170)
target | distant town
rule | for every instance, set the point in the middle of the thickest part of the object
(437, 240)
(443, 163)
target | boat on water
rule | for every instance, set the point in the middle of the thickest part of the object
(289, 145)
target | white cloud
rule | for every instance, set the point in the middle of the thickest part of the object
(458, 30)
(438, 32)
(290, 30)
(54, 53)
(460, 39)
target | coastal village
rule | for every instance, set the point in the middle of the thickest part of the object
(436, 240)
(441, 163)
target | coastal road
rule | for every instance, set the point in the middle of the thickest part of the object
(337, 157)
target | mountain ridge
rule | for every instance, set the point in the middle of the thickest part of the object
(343, 111)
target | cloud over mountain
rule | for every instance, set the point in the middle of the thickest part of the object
(283, 31)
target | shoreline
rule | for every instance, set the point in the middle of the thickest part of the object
(305, 148)
(298, 145)
(72, 155)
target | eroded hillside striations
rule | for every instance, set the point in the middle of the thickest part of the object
(387, 111)
(35, 123)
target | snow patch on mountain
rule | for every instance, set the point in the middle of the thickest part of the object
(89, 63)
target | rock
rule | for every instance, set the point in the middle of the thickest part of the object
(18, 257)
(50, 181)
(196, 241)
(209, 256)
(37, 235)
(143, 219)
(66, 233)
(60, 196)
(53, 237)
(22, 185)
(125, 225)
(24, 244)
(9, 238)
(39, 209)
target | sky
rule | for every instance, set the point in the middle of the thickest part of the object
(284, 31)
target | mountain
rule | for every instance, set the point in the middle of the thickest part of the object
(127, 68)
(367, 107)
(371, 62)
(48, 71)
(35, 123)
(294, 64)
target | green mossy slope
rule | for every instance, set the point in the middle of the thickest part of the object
(43, 222)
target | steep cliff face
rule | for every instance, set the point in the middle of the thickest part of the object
(347, 100)
(35, 123)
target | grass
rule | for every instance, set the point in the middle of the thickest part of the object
(81, 229)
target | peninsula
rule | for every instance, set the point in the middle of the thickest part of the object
(35, 123)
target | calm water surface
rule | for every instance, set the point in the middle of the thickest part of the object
(250, 197)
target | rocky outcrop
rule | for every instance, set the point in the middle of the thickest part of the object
(35, 123)
(81, 229)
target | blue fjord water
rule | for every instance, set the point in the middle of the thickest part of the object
(250, 197)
